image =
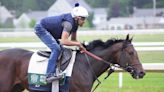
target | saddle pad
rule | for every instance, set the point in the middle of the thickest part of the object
(37, 70)
(38, 67)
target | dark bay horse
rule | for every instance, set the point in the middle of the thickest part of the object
(14, 65)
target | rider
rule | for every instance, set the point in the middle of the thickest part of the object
(51, 29)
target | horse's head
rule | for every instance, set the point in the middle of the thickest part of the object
(126, 56)
(118, 51)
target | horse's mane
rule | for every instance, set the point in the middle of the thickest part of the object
(100, 43)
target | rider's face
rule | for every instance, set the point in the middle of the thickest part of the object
(81, 21)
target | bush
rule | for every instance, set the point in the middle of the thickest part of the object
(32, 23)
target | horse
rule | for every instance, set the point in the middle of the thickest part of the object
(121, 52)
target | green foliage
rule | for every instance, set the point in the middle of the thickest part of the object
(115, 8)
(44, 4)
(0, 25)
(86, 24)
(142, 3)
(125, 6)
(98, 3)
(25, 5)
(32, 23)
(29, 5)
(90, 18)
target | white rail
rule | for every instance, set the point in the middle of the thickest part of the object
(30, 32)
(139, 46)
(148, 67)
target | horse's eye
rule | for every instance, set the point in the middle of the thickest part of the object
(131, 53)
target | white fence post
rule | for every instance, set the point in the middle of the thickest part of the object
(120, 80)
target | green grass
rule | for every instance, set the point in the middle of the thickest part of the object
(136, 38)
(152, 82)
(151, 56)
(18, 39)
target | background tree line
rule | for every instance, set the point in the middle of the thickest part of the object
(115, 7)
(20, 6)
(118, 8)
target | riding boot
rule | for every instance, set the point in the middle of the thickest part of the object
(51, 78)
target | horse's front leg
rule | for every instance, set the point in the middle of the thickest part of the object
(18, 88)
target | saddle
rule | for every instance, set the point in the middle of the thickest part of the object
(63, 59)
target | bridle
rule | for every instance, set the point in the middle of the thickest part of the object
(125, 64)
(129, 67)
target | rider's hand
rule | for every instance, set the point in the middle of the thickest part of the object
(82, 48)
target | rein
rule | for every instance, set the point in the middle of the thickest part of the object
(104, 61)
(96, 57)
(111, 65)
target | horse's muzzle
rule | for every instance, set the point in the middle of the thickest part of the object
(139, 75)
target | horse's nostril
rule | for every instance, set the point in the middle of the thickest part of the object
(141, 75)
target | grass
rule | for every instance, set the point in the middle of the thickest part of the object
(18, 39)
(152, 82)
(136, 38)
(151, 57)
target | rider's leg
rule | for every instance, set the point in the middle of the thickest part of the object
(48, 39)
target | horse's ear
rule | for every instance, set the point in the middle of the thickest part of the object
(131, 39)
(127, 37)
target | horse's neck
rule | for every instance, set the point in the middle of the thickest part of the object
(100, 67)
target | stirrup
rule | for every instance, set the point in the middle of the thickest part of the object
(53, 78)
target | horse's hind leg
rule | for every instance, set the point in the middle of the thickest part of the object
(6, 82)
(5, 87)
(18, 88)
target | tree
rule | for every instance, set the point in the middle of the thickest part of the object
(142, 3)
(114, 8)
(97, 3)
(125, 7)
(32, 23)
(25, 5)
(118, 8)
(44, 4)
(90, 18)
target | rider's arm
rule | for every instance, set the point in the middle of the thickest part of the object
(66, 33)
(65, 40)
(65, 37)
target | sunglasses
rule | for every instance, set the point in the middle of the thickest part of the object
(83, 18)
